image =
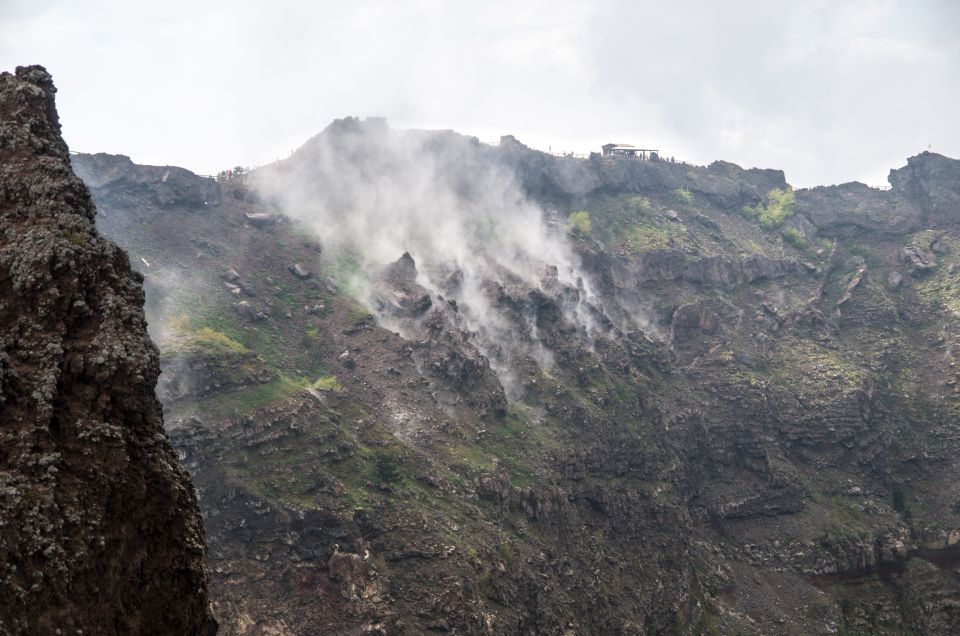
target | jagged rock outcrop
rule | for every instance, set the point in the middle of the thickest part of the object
(723, 184)
(932, 181)
(440, 346)
(923, 194)
(854, 207)
(122, 181)
(195, 375)
(100, 532)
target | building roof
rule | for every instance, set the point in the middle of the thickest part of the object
(627, 147)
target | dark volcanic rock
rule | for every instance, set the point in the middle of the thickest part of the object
(403, 269)
(691, 320)
(260, 219)
(99, 527)
(300, 271)
(854, 207)
(918, 260)
(193, 374)
(933, 181)
(924, 193)
(117, 179)
(724, 184)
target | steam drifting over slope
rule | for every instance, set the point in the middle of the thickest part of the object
(447, 201)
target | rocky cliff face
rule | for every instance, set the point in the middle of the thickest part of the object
(99, 527)
(741, 420)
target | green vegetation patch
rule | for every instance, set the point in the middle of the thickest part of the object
(842, 517)
(631, 223)
(329, 466)
(645, 237)
(516, 443)
(607, 217)
(313, 340)
(807, 368)
(778, 208)
(213, 341)
(77, 238)
(201, 341)
(795, 237)
(579, 223)
(327, 383)
(683, 196)
(356, 312)
(344, 267)
(240, 401)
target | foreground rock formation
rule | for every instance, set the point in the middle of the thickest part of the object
(99, 527)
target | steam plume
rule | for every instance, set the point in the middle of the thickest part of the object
(448, 201)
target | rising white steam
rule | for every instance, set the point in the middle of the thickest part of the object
(448, 201)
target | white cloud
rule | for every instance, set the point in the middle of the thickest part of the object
(824, 90)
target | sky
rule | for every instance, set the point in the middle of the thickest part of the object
(828, 91)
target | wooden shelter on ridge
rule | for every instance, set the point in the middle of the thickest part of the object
(628, 150)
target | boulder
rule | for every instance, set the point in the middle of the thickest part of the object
(855, 281)
(693, 319)
(260, 219)
(350, 571)
(919, 261)
(347, 360)
(894, 279)
(300, 271)
(248, 312)
(403, 269)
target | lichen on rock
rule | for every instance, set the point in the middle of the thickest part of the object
(100, 532)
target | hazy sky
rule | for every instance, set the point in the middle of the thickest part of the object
(829, 91)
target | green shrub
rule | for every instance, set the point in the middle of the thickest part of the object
(579, 223)
(327, 383)
(683, 196)
(216, 341)
(205, 340)
(778, 208)
(357, 313)
(644, 237)
(639, 206)
(795, 237)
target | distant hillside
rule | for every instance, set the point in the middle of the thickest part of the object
(426, 385)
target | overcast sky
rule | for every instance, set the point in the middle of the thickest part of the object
(828, 91)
